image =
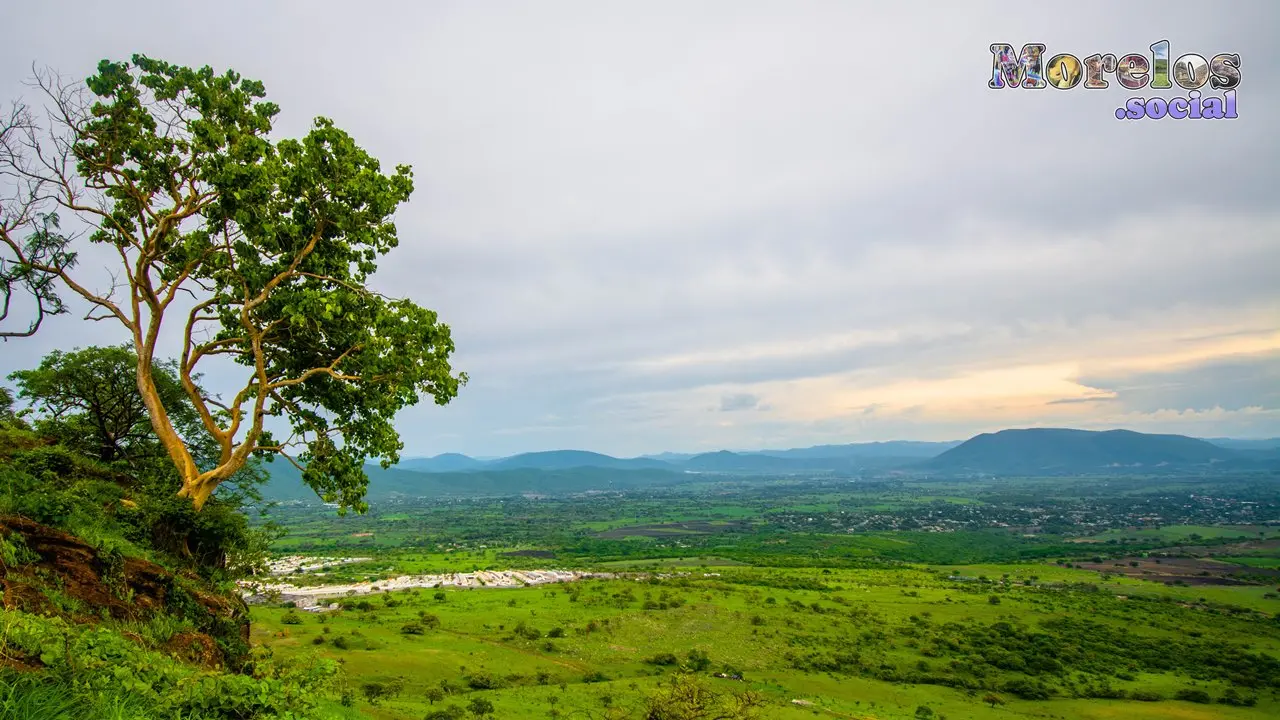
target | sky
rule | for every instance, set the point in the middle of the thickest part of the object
(691, 226)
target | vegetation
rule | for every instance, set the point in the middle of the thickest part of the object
(135, 515)
(259, 250)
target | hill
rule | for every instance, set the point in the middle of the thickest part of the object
(848, 457)
(724, 461)
(1243, 444)
(889, 449)
(1052, 451)
(448, 462)
(563, 459)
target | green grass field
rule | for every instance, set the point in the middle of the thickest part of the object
(575, 648)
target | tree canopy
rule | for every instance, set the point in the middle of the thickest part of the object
(260, 251)
(92, 394)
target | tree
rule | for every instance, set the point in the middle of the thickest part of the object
(448, 712)
(6, 406)
(480, 707)
(992, 699)
(687, 697)
(375, 692)
(93, 392)
(258, 251)
(434, 695)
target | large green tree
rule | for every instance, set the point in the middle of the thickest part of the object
(91, 395)
(259, 251)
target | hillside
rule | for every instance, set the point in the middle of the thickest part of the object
(119, 601)
(1051, 451)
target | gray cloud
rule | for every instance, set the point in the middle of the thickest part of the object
(1233, 383)
(622, 206)
(1081, 400)
(740, 401)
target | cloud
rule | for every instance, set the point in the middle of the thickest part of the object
(1230, 383)
(631, 215)
(740, 401)
(1078, 400)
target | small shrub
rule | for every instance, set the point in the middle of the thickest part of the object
(663, 659)
(483, 681)
(1192, 695)
(448, 712)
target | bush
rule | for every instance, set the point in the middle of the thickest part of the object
(664, 659)
(1145, 696)
(480, 707)
(1233, 697)
(291, 618)
(413, 628)
(1027, 689)
(698, 660)
(483, 681)
(110, 670)
(1195, 696)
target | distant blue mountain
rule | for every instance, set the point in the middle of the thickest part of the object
(889, 449)
(561, 459)
(1054, 451)
(1235, 444)
(1036, 451)
(448, 462)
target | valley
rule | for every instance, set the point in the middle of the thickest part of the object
(1019, 597)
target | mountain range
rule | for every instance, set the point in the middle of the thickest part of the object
(1035, 451)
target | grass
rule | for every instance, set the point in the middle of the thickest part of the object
(739, 628)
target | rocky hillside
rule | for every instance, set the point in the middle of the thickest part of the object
(51, 573)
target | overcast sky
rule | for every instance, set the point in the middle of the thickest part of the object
(698, 225)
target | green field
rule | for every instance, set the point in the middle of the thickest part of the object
(543, 645)
(876, 600)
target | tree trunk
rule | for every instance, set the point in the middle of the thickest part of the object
(199, 493)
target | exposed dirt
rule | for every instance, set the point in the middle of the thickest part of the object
(89, 584)
(195, 648)
(1187, 571)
